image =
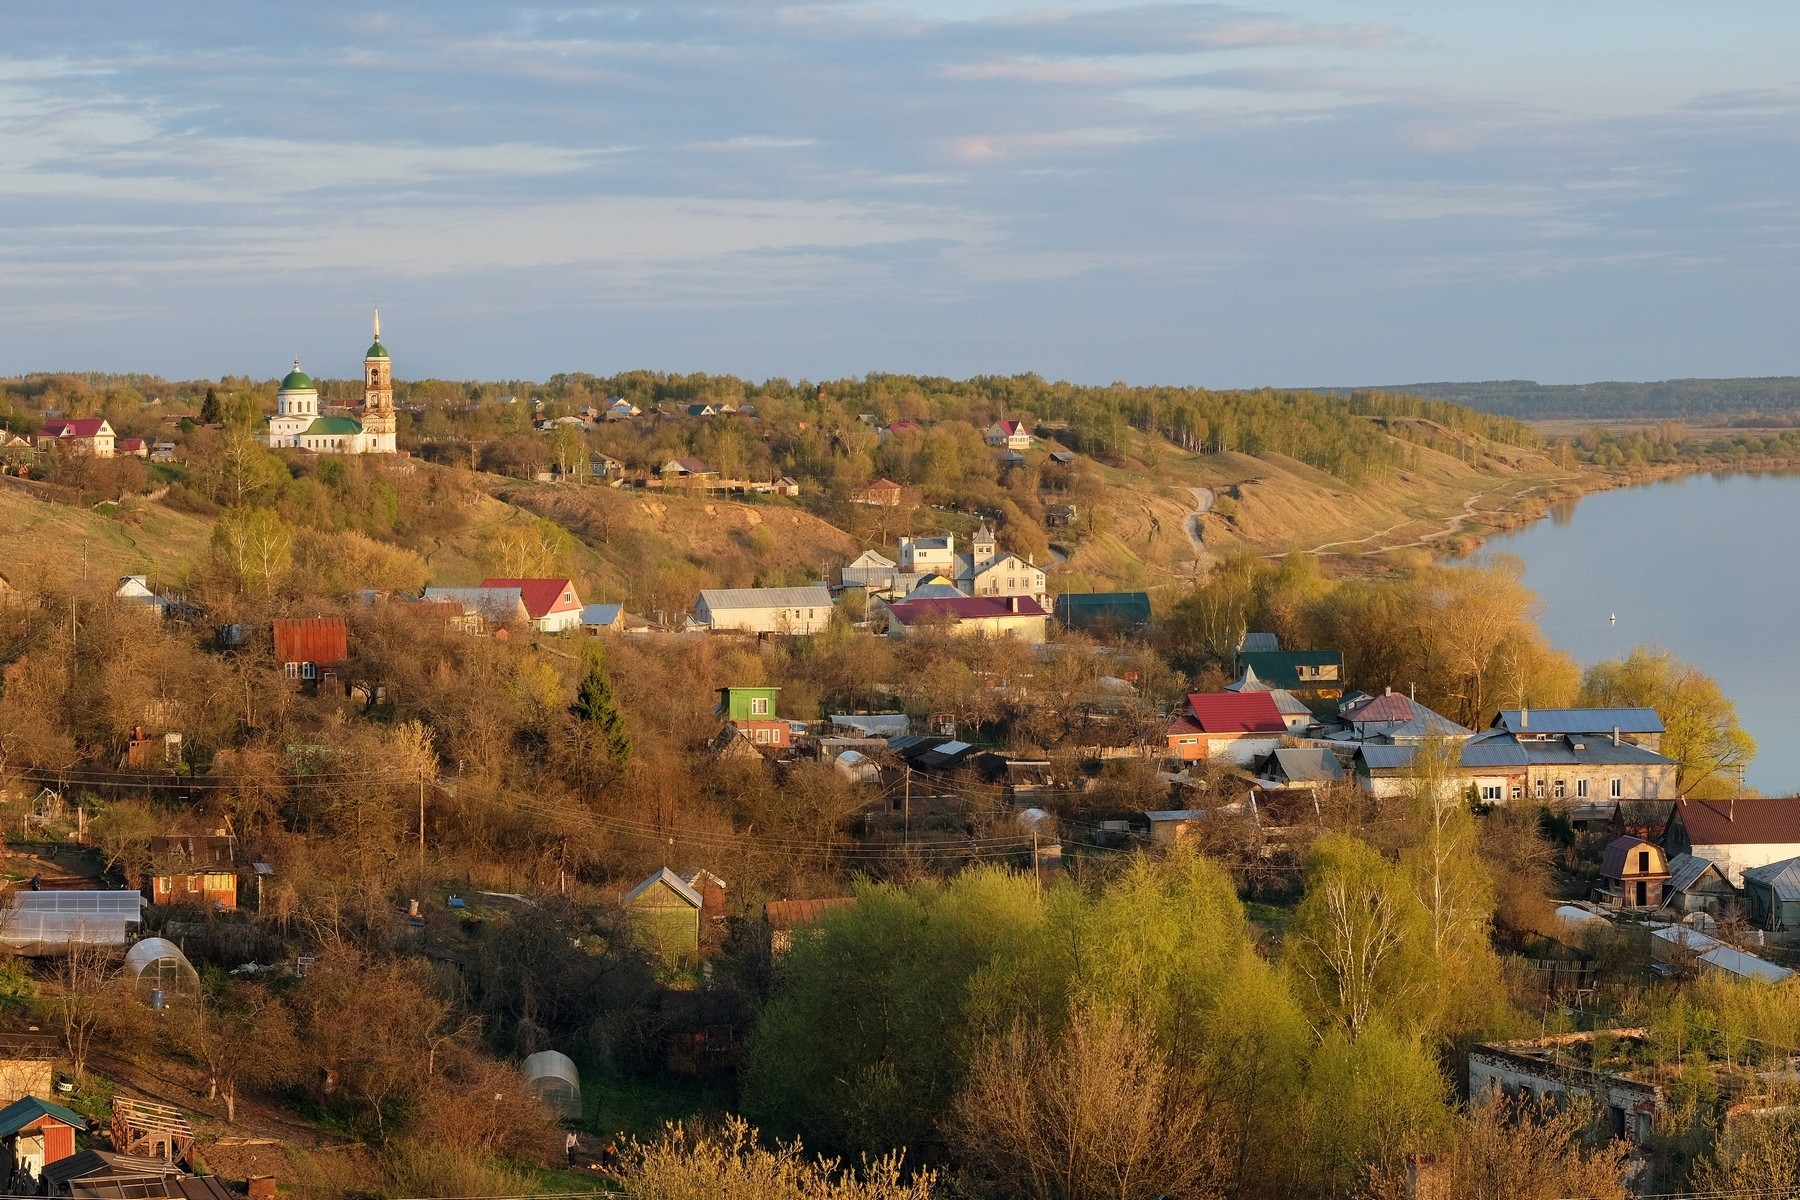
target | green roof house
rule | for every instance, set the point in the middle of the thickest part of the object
(1108, 612)
(1306, 673)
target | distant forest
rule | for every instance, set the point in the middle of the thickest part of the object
(1777, 397)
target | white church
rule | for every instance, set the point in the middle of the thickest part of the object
(298, 424)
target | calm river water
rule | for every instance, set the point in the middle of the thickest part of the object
(1705, 566)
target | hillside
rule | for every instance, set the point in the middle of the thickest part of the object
(139, 538)
(1668, 399)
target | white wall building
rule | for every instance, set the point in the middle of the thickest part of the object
(790, 610)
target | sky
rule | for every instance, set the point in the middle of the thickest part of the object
(1321, 192)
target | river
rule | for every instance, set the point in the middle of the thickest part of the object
(1702, 565)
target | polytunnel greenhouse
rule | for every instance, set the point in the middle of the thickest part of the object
(552, 1078)
(160, 974)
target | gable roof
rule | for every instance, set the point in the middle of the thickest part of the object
(1309, 764)
(1281, 668)
(883, 485)
(1236, 712)
(321, 640)
(965, 608)
(791, 914)
(671, 880)
(1781, 878)
(28, 1109)
(1259, 643)
(688, 466)
(542, 596)
(1593, 721)
(496, 604)
(80, 427)
(1685, 870)
(601, 614)
(717, 599)
(1757, 821)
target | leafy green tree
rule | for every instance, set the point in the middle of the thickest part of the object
(865, 1041)
(1701, 730)
(1370, 1099)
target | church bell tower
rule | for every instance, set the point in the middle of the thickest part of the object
(378, 395)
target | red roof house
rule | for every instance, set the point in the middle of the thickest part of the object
(311, 648)
(1235, 725)
(134, 446)
(1019, 617)
(85, 435)
(551, 604)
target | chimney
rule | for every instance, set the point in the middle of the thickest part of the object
(1013, 603)
(1412, 691)
(1387, 691)
(1615, 735)
(1524, 717)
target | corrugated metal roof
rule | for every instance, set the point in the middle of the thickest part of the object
(1590, 750)
(542, 596)
(967, 608)
(1719, 956)
(1309, 764)
(1236, 712)
(1763, 820)
(496, 604)
(1685, 871)
(1382, 757)
(604, 615)
(675, 883)
(1282, 667)
(1259, 643)
(1492, 752)
(1781, 878)
(321, 640)
(1578, 720)
(716, 599)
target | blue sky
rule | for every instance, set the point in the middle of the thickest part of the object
(1317, 192)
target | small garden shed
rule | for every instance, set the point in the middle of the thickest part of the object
(665, 916)
(1772, 894)
(551, 1076)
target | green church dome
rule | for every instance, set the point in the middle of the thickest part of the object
(377, 351)
(298, 381)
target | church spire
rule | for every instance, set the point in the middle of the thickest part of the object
(378, 322)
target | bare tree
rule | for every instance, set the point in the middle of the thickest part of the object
(84, 979)
(1096, 1112)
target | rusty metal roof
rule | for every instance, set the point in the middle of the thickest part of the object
(321, 640)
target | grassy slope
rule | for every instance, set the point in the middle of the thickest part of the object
(1139, 542)
(140, 539)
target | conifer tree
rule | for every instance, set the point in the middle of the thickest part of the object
(594, 706)
(209, 409)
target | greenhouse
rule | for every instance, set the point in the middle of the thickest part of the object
(552, 1078)
(161, 975)
(50, 922)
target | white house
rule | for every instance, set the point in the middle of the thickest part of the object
(1012, 435)
(795, 610)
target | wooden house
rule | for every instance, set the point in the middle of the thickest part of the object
(312, 650)
(1632, 874)
(665, 916)
(883, 493)
(194, 869)
(1698, 885)
(33, 1134)
(751, 711)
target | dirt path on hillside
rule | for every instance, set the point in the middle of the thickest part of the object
(1451, 525)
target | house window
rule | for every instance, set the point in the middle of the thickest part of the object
(759, 707)
(1618, 788)
(309, 670)
(291, 670)
(1518, 793)
(1643, 862)
(765, 736)
(1490, 792)
(1560, 790)
(1581, 789)
(1540, 789)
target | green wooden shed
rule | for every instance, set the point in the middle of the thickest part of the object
(665, 916)
(1772, 894)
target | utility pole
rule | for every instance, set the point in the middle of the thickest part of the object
(421, 819)
(906, 810)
